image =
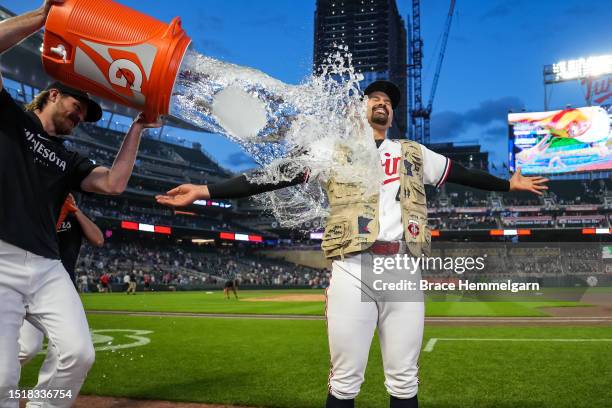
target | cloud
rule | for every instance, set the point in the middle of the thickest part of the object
(451, 125)
(496, 133)
(491, 110)
(239, 159)
(445, 125)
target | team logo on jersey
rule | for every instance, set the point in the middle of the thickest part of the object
(413, 228)
(362, 223)
(408, 167)
(125, 71)
(390, 166)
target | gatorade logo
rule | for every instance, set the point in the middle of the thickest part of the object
(125, 71)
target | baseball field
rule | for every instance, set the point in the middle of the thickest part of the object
(269, 349)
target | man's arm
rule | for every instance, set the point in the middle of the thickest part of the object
(113, 181)
(486, 181)
(16, 29)
(91, 231)
(237, 187)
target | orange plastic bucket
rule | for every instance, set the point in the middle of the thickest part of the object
(114, 52)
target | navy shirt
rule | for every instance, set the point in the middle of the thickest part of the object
(36, 174)
(70, 237)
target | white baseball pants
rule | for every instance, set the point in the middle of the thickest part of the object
(39, 290)
(350, 327)
(30, 344)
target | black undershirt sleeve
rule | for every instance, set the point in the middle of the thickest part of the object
(476, 178)
(239, 187)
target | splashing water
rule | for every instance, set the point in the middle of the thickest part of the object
(286, 128)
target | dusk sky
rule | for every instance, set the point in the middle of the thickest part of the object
(493, 63)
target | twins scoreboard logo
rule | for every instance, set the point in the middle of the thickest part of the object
(124, 71)
(597, 89)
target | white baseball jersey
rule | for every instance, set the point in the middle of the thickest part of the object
(435, 171)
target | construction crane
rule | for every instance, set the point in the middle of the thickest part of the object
(419, 114)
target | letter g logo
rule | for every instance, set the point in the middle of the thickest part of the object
(117, 74)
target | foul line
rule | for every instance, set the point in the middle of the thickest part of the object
(431, 343)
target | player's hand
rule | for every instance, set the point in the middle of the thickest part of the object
(46, 6)
(142, 121)
(70, 204)
(536, 185)
(183, 195)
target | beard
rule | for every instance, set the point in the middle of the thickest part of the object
(379, 119)
(62, 123)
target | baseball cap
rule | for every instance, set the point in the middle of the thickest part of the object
(387, 87)
(94, 111)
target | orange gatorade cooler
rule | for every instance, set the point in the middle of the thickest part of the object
(114, 52)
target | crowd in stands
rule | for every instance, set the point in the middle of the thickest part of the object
(584, 203)
(121, 208)
(175, 265)
(189, 267)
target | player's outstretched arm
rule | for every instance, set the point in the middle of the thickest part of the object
(237, 187)
(486, 181)
(183, 195)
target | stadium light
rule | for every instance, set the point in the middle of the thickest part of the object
(577, 69)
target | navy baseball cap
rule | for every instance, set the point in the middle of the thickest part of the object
(387, 87)
(94, 111)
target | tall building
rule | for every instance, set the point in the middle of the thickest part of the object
(375, 34)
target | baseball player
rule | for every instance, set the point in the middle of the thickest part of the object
(231, 284)
(72, 226)
(36, 174)
(131, 283)
(392, 222)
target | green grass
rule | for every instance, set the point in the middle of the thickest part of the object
(284, 363)
(201, 302)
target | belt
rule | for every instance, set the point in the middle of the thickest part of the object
(388, 248)
(380, 248)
